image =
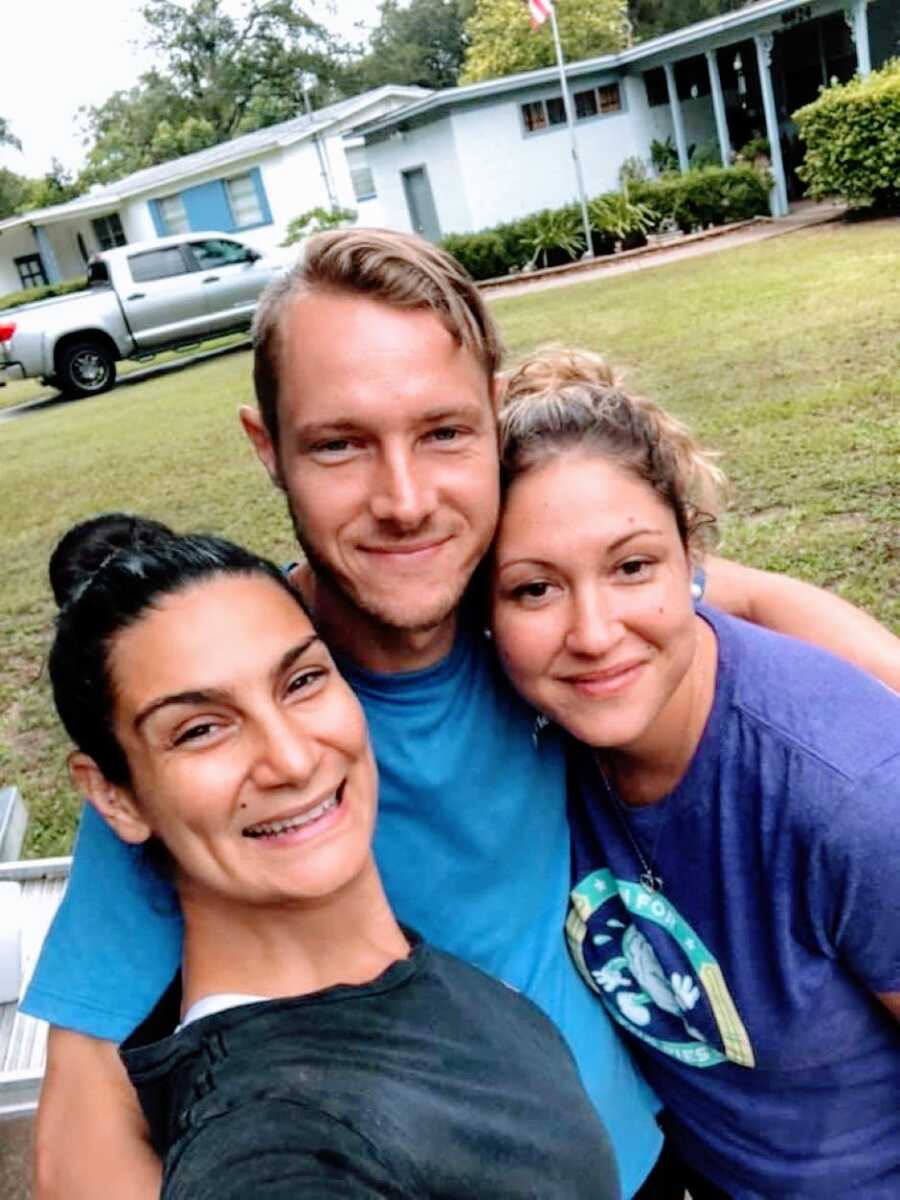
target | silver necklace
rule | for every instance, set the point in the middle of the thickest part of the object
(649, 878)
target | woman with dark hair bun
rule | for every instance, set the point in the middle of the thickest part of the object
(309, 1045)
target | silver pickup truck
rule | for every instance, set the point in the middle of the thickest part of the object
(142, 298)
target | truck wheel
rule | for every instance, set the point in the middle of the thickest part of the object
(86, 369)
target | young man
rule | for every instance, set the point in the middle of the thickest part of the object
(376, 378)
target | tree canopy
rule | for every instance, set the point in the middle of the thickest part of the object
(219, 75)
(501, 40)
(650, 18)
(422, 43)
(7, 137)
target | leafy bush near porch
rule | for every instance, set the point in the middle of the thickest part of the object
(711, 196)
(852, 135)
(17, 299)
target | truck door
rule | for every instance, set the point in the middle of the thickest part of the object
(232, 277)
(164, 301)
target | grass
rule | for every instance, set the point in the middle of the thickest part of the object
(25, 390)
(785, 355)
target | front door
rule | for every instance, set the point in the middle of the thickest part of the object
(420, 203)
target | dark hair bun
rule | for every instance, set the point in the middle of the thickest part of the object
(84, 548)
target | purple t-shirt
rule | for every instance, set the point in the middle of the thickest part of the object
(747, 980)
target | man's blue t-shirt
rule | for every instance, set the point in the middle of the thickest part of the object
(473, 845)
(748, 978)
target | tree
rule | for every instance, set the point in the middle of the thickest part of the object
(13, 192)
(7, 137)
(56, 187)
(502, 41)
(650, 18)
(219, 75)
(422, 43)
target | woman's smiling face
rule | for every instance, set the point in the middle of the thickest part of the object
(591, 604)
(248, 753)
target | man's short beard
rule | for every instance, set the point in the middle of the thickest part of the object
(332, 582)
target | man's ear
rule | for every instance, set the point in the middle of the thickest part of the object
(256, 431)
(114, 804)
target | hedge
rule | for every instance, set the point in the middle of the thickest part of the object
(17, 299)
(852, 135)
(711, 196)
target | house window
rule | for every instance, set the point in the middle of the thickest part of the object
(556, 111)
(534, 114)
(174, 217)
(541, 114)
(31, 270)
(108, 231)
(157, 264)
(610, 98)
(245, 206)
(360, 173)
(585, 104)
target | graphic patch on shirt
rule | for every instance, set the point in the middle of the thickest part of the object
(684, 1008)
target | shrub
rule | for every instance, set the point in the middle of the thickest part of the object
(663, 155)
(316, 219)
(554, 236)
(44, 292)
(852, 135)
(712, 196)
(709, 196)
(620, 216)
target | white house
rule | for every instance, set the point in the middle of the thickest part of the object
(470, 157)
(254, 184)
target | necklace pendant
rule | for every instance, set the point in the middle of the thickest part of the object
(650, 881)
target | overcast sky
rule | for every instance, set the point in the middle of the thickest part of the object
(58, 55)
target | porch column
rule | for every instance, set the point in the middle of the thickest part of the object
(678, 123)
(48, 257)
(778, 200)
(858, 21)
(715, 84)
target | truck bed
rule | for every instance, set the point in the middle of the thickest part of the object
(23, 1040)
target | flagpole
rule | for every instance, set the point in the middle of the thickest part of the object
(570, 121)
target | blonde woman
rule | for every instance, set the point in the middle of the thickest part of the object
(735, 807)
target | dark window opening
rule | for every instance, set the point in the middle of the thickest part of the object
(585, 104)
(108, 231)
(655, 87)
(31, 270)
(610, 98)
(556, 111)
(534, 115)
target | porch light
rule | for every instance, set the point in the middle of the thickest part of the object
(738, 63)
(695, 91)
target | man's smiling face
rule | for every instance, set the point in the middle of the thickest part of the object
(388, 454)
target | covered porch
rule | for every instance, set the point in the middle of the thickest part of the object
(739, 78)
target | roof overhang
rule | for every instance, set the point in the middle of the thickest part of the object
(759, 17)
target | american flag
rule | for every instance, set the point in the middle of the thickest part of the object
(539, 11)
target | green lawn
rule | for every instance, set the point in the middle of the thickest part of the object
(785, 355)
(25, 390)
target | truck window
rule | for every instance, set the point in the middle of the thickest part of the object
(98, 273)
(157, 264)
(217, 252)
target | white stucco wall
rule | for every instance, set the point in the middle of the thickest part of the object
(432, 146)
(13, 244)
(508, 173)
